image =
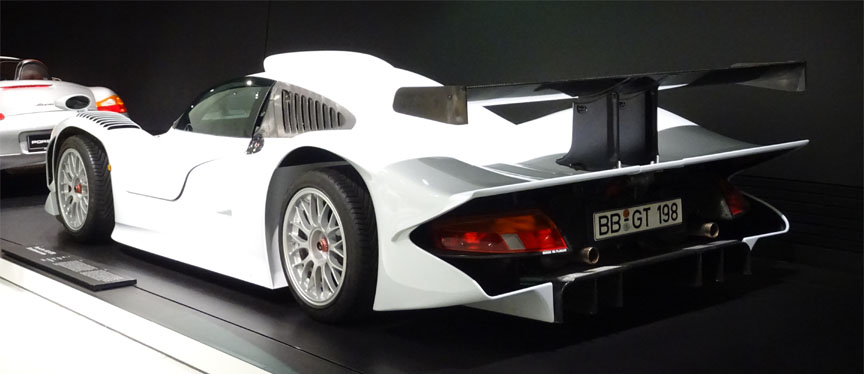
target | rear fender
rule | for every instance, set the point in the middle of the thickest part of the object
(102, 93)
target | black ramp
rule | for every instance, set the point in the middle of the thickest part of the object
(785, 317)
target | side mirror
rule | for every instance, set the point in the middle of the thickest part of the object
(255, 144)
(72, 102)
(182, 123)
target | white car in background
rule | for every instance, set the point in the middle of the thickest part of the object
(32, 102)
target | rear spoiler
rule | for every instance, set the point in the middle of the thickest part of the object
(614, 118)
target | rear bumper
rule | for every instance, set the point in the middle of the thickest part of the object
(553, 298)
(19, 160)
(15, 150)
(586, 292)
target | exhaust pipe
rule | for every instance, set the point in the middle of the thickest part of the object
(589, 255)
(708, 230)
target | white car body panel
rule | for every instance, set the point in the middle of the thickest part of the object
(36, 98)
(34, 111)
(14, 130)
(201, 200)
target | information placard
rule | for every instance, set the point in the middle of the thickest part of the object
(74, 268)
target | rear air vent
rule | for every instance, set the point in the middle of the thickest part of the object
(110, 120)
(305, 111)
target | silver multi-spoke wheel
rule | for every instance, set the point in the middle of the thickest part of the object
(328, 244)
(73, 189)
(82, 187)
(313, 245)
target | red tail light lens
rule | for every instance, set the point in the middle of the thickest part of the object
(735, 202)
(525, 232)
(2, 117)
(27, 86)
(112, 104)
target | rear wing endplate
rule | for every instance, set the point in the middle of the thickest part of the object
(614, 118)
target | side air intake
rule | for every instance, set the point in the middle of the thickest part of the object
(306, 111)
(110, 120)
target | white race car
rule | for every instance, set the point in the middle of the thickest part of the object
(32, 102)
(366, 187)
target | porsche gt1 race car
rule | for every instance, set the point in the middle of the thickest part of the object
(366, 187)
(32, 102)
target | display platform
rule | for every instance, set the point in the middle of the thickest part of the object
(783, 317)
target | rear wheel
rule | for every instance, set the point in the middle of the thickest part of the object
(329, 246)
(83, 189)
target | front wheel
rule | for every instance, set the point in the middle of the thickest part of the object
(83, 189)
(329, 245)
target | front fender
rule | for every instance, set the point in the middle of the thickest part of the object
(116, 133)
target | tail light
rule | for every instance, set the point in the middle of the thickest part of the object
(734, 202)
(26, 86)
(525, 232)
(2, 117)
(112, 104)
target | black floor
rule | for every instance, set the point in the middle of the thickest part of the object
(786, 318)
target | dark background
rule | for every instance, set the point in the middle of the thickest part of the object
(158, 56)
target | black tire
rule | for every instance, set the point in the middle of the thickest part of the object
(353, 204)
(99, 221)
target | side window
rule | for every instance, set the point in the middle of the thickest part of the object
(232, 109)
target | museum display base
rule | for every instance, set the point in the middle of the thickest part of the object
(783, 317)
(70, 267)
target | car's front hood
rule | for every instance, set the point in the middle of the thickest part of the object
(22, 97)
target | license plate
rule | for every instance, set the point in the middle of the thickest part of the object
(612, 223)
(37, 142)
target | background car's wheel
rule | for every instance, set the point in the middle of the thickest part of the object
(83, 187)
(329, 245)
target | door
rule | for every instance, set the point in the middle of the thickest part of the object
(218, 124)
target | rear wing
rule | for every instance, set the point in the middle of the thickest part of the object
(614, 118)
